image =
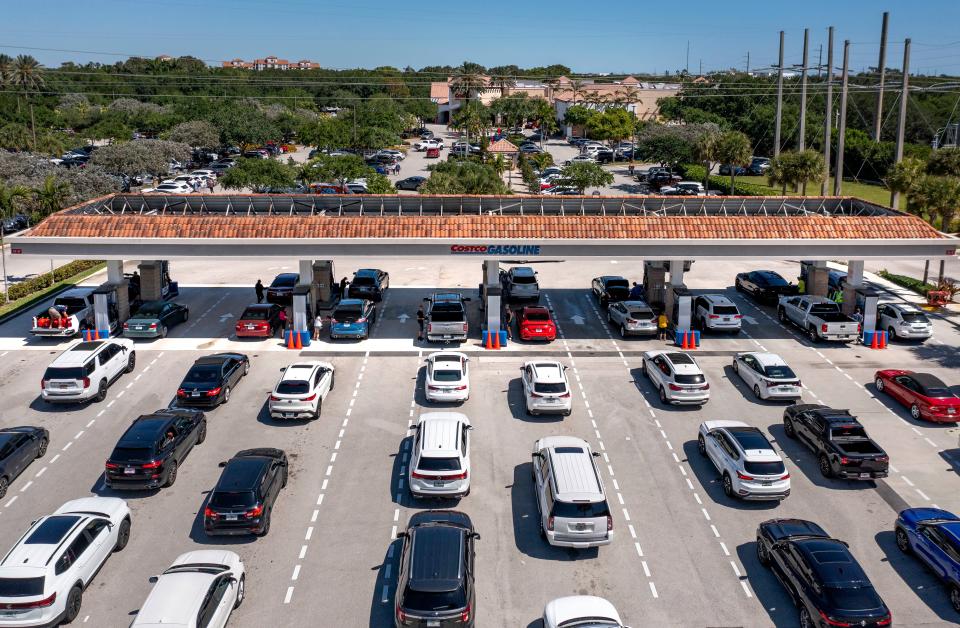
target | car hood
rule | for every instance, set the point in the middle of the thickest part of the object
(579, 606)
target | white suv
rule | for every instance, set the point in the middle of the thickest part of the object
(200, 588)
(86, 370)
(45, 573)
(447, 378)
(545, 387)
(587, 611)
(903, 321)
(748, 465)
(676, 376)
(767, 375)
(716, 312)
(301, 390)
(440, 464)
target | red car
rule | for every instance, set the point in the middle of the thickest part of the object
(926, 396)
(261, 320)
(535, 324)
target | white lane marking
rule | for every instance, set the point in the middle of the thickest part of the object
(55, 458)
(646, 570)
(91, 422)
(616, 485)
(723, 546)
(26, 486)
(296, 572)
(930, 442)
(393, 533)
(112, 401)
(626, 514)
(120, 394)
(633, 532)
(746, 589)
(716, 532)
(41, 472)
(329, 469)
(67, 446)
(620, 497)
(918, 432)
(309, 534)
(100, 414)
(697, 497)
(138, 377)
(320, 498)
(130, 384)
(323, 486)
(337, 445)
(313, 517)
(286, 598)
(706, 514)
(639, 550)
(690, 484)
(906, 480)
(922, 494)
(303, 551)
(333, 457)
(13, 499)
(653, 589)
(396, 514)
(79, 434)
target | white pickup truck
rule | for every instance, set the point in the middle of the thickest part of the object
(819, 317)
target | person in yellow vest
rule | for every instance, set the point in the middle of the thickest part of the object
(801, 285)
(662, 325)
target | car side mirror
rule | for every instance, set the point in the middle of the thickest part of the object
(596, 454)
(475, 535)
(222, 465)
(469, 427)
(153, 579)
(402, 535)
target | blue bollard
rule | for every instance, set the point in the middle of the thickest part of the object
(305, 338)
(868, 336)
(503, 337)
(696, 338)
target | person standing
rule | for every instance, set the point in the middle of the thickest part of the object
(317, 326)
(343, 288)
(210, 184)
(636, 292)
(508, 323)
(858, 316)
(662, 325)
(283, 319)
(420, 319)
(258, 288)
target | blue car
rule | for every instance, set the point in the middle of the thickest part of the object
(353, 318)
(933, 535)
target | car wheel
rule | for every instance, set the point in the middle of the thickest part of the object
(915, 411)
(903, 543)
(824, 464)
(72, 608)
(879, 384)
(186, 315)
(543, 533)
(316, 413)
(756, 391)
(266, 525)
(4, 483)
(955, 598)
(131, 362)
(736, 367)
(643, 369)
(663, 395)
(171, 475)
(805, 618)
(701, 445)
(42, 451)
(788, 428)
(202, 436)
(123, 536)
(727, 485)
(609, 318)
(892, 333)
(246, 368)
(101, 391)
(812, 334)
(781, 315)
(241, 591)
(163, 331)
(623, 331)
(763, 555)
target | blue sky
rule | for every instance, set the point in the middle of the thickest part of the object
(587, 36)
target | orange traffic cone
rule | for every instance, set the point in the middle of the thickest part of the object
(496, 340)
(686, 343)
(873, 341)
(489, 340)
(297, 341)
(96, 334)
(290, 340)
(883, 340)
(694, 344)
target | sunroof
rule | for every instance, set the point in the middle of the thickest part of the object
(52, 530)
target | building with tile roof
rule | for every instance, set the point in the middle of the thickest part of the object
(271, 63)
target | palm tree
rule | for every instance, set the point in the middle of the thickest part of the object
(503, 83)
(705, 148)
(26, 75)
(6, 66)
(578, 88)
(8, 198)
(465, 83)
(733, 147)
(51, 196)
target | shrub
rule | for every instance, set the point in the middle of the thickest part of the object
(909, 283)
(40, 282)
(696, 173)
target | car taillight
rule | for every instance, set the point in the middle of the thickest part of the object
(738, 316)
(43, 383)
(86, 382)
(565, 395)
(38, 604)
(886, 621)
(214, 392)
(333, 321)
(464, 327)
(418, 476)
(609, 523)
(771, 384)
(460, 388)
(831, 621)
(675, 387)
(429, 327)
(844, 460)
(310, 398)
(550, 523)
(859, 328)
(153, 464)
(706, 386)
(181, 392)
(126, 326)
(459, 476)
(111, 465)
(362, 320)
(465, 614)
(744, 477)
(256, 511)
(632, 321)
(823, 328)
(401, 616)
(785, 476)
(883, 459)
(536, 395)
(274, 398)
(713, 316)
(153, 325)
(209, 513)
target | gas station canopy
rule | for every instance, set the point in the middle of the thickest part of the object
(157, 226)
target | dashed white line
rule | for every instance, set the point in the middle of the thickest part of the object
(309, 534)
(286, 598)
(296, 573)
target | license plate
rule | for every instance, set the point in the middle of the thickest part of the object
(726, 319)
(766, 483)
(951, 410)
(15, 613)
(538, 330)
(864, 475)
(230, 517)
(439, 483)
(433, 622)
(447, 336)
(129, 471)
(195, 394)
(288, 415)
(63, 385)
(580, 527)
(250, 327)
(139, 327)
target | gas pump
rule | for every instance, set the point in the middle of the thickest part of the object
(105, 312)
(302, 311)
(867, 300)
(680, 306)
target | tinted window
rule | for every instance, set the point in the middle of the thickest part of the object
(20, 587)
(447, 376)
(538, 316)
(848, 431)
(203, 374)
(293, 387)
(439, 464)
(641, 315)
(348, 314)
(680, 358)
(447, 313)
(52, 530)
(914, 317)
(689, 379)
(131, 454)
(255, 314)
(779, 372)
(725, 310)
(73, 372)
(764, 468)
(751, 439)
(823, 308)
(524, 279)
(577, 510)
(773, 279)
(73, 304)
(936, 391)
(149, 309)
(434, 600)
(284, 281)
(550, 388)
(225, 499)
(7, 439)
(853, 598)
(363, 281)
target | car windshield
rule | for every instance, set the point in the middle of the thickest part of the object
(447, 375)
(438, 464)
(63, 372)
(764, 468)
(549, 388)
(578, 510)
(203, 374)
(21, 587)
(131, 454)
(293, 387)
(772, 279)
(361, 280)
(853, 598)
(689, 379)
(538, 316)
(725, 310)
(347, 314)
(434, 600)
(255, 314)
(914, 317)
(779, 371)
(232, 499)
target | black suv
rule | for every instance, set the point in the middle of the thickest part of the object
(150, 452)
(821, 575)
(280, 290)
(211, 378)
(243, 499)
(368, 283)
(435, 587)
(610, 289)
(19, 446)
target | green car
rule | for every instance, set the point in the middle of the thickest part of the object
(154, 319)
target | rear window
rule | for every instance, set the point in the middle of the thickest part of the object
(640, 315)
(914, 317)
(772, 280)
(824, 308)
(934, 391)
(284, 281)
(848, 431)
(434, 600)
(229, 499)
(21, 587)
(438, 464)
(550, 388)
(726, 310)
(52, 530)
(447, 376)
(71, 372)
(780, 371)
(689, 379)
(347, 313)
(580, 510)
(203, 374)
(255, 314)
(764, 468)
(131, 454)
(853, 598)
(73, 304)
(446, 313)
(293, 387)
(150, 309)
(538, 316)
(528, 279)
(362, 281)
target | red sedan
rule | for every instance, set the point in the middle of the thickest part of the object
(261, 320)
(535, 324)
(926, 396)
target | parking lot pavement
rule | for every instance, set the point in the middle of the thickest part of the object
(683, 554)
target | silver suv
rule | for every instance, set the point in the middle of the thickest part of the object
(520, 284)
(748, 465)
(716, 312)
(903, 321)
(570, 498)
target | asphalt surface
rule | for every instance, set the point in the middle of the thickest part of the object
(683, 554)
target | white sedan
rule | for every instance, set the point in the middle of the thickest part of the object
(206, 584)
(588, 611)
(767, 375)
(170, 188)
(676, 376)
(448, 377)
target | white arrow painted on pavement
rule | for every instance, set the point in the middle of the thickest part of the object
(403, 318)
(577, 319)
(224, 317)
(750, 320)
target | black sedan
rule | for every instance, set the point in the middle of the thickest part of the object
(764, 285)
(154, 319)
(410, 183)
(211, 379)
(19, 446)
(16, 223)
(369, 283)
(150, 452)
(821, 575)
(280, 290)
(243, 500)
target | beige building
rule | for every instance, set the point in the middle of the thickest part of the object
(271, 63)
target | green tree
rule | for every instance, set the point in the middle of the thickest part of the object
(109, 127)
(339, 169)
(578, 116)
(733, 147)
(939, 196)
(944, 162)
(665, 148)
(134, 158)
(705, 150)
(379, 184)
(197, 133)
(326, 132)
(463, 177)
(612, 125)
(26, 75)
(584, 174)
(473, 117)
(422, 109)
(903, 176)
(242, 125)
(258, 174)
(12, 198)
(543, 113)
(15, 136)
(51, 196)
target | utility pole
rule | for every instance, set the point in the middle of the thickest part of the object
(828, 117)
(748, 62)
(802, 141)
(882, 67)
(776, 130)
(902, 118)
(688, 57)
(701, 68)
(820, 61)
(842, 126)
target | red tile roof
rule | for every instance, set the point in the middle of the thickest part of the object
(503, 146)
(487, 227)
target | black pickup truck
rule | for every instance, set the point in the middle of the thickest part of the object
(842, 446)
